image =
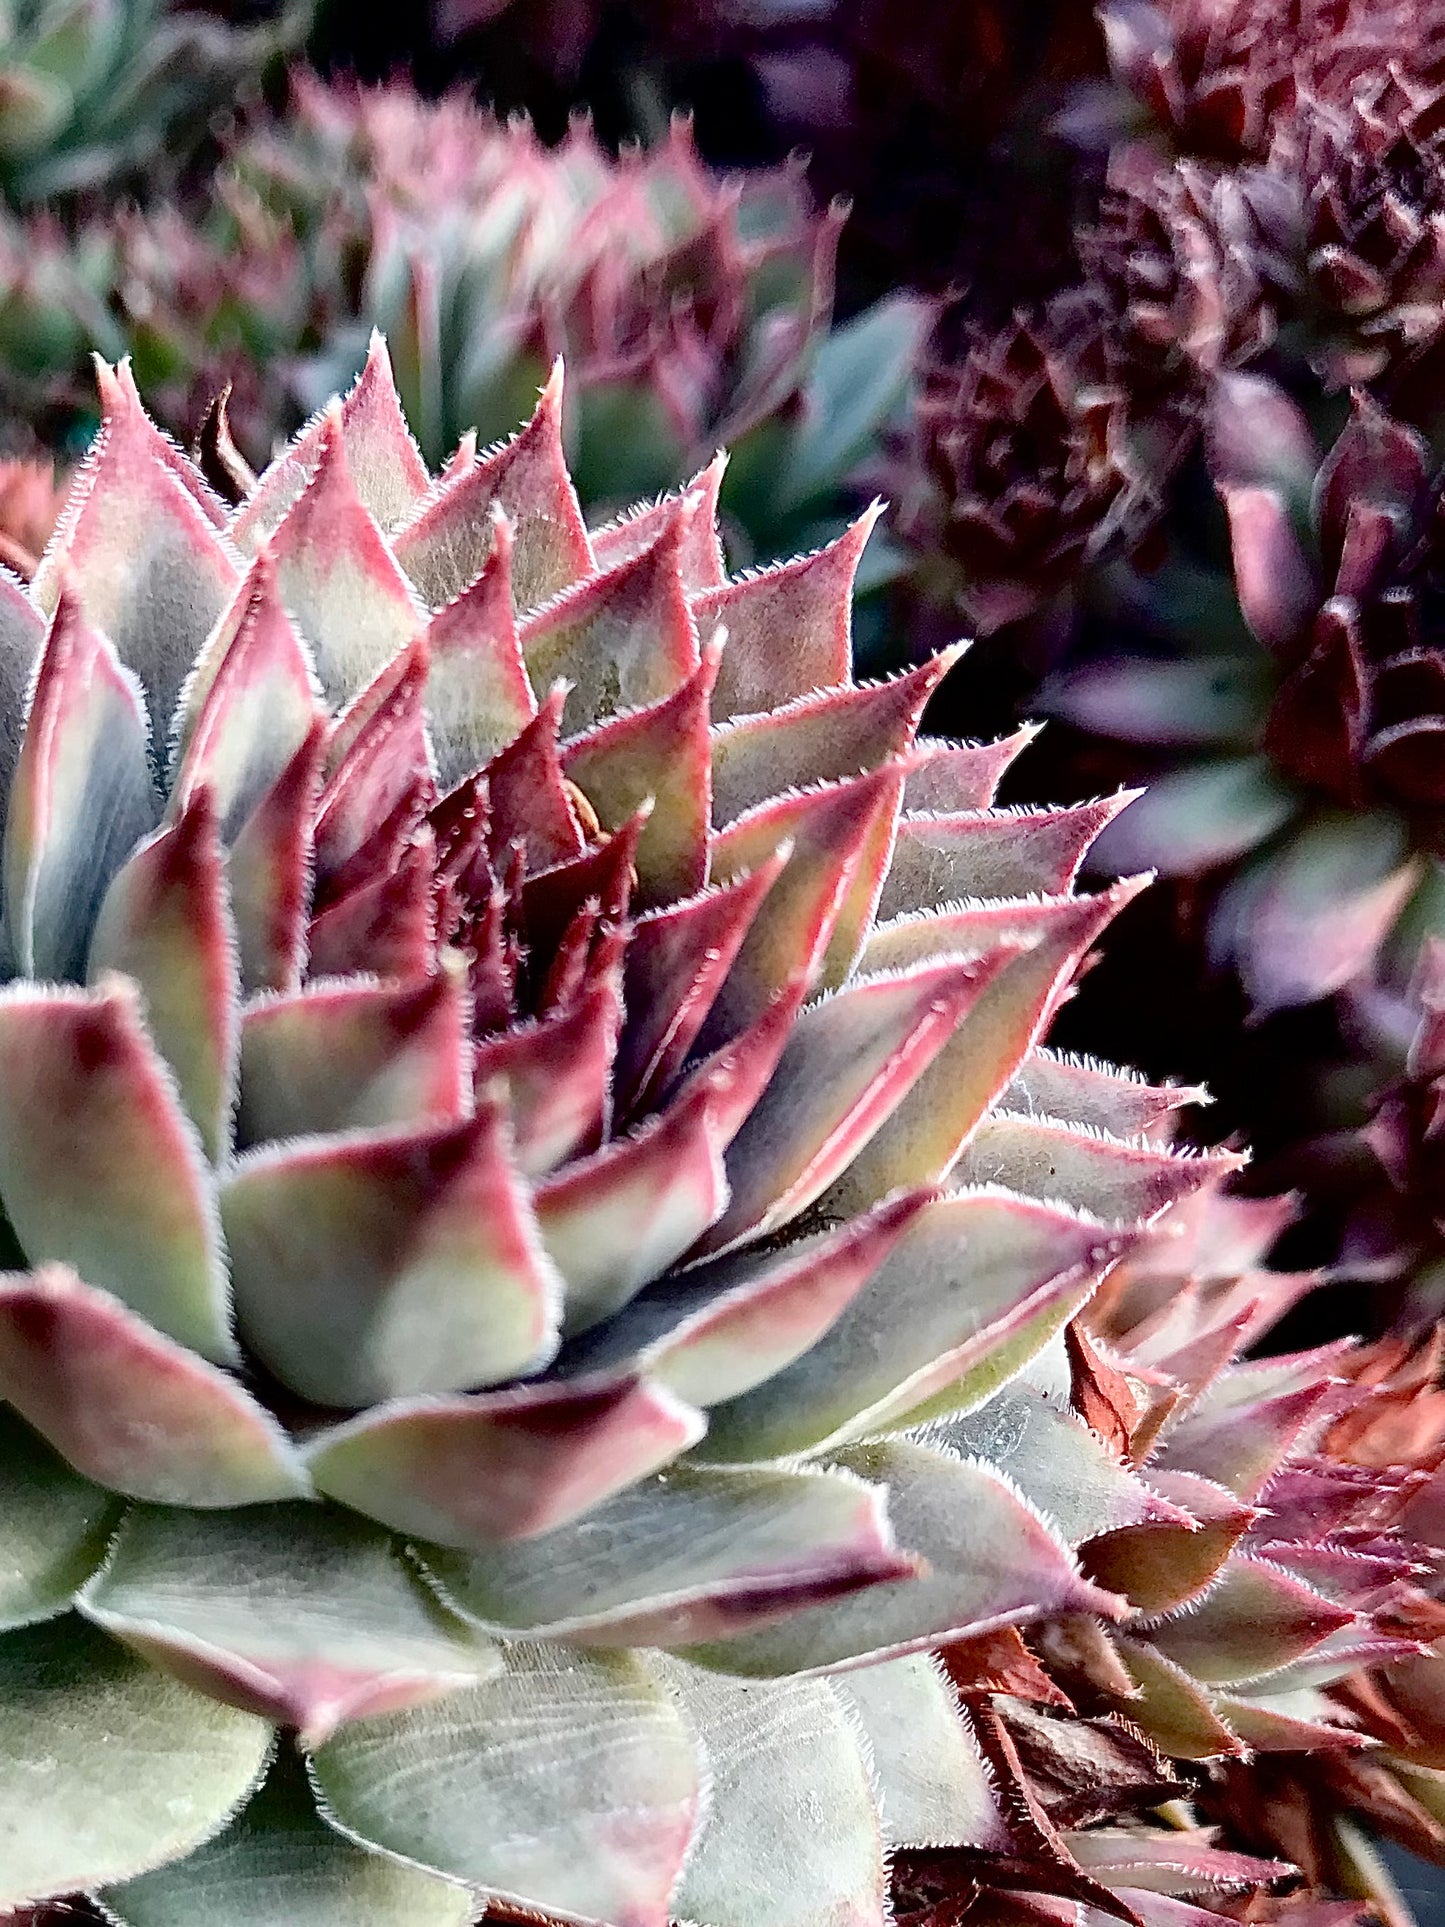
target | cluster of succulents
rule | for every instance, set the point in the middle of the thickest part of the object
(693, 308)
(562, 1326)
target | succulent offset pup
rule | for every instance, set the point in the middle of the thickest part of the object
(495, 1018)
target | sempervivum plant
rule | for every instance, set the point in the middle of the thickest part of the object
(524, 1160)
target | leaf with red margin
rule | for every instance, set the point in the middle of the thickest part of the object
(687, 1555)
(1254, 1619)
(387, 927)
(299, 1613)
(338, 578)
(82, 796)
(529, 800)
(620, 640)
(701, 556)
(921, 1142)
(977, 1280)
(22, 631)
(789, 628)
(1159, 1570)
(946, 778)
(830, 831)
(992, 853)
(130, 1409)
(1172, 1710)
(390, 475)
(248, 706)
(378, 773)
(166, 923)
(99, 1166)
(1117, 1180)
(381, 1264)
(613, 1222)
(148, 562)
(820, 738)
(658, 754)
(1082, 1091)
(1176, 1862)
(469, 1471)
(603, 875)
(485, 1787)
(675, 964)
(120, 396)
(558, 1076)
(445, 545)
(348, 1056)
(477, 694)
(988, 1560)
(1241, 1445)
(847, 1065)
(270, 873)
(716, 1330)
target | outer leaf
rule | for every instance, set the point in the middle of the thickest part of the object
(300, 1613)
(345, 1056)
(946, 777)
(377, 1264)
(989, 1561)
(446, 543)
(54, 1527)
(1083, 1091)
(991, 853)
(793, 1837)
(108, 1769)
(99, 1167)
(921, 1322)
(1118, 1180)
(467, 1472)
(568, 1785)
(166, 923)
(1253, 1621)
(130, 1409)
(687, 1555)
(934, 1789)
(789, 628)
(338, 577)
(81, 800)
(279, 1865)
(702, 555)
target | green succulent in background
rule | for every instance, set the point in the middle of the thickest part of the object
(96, 93)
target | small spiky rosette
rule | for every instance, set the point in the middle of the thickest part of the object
(525, 1160)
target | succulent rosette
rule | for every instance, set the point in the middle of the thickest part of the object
(521, 1141)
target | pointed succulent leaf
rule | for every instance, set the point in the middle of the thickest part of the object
(82, 797)
(339, 579)
(130, 1409)
(477, 693)
(145, 558)
(1083, 1091)
(988, 1560)
(820, 738)
(270, 870)
(1161, 1569)
(716, 1330)
(347, 1056)
(622, 639)
(1240, 1445)
(1173, 1709)
(445, 543)
(924, 1319)
(793, 1836)
(557, 1074)
(998, 853)
(299, 1613)
(1119, 1180)
(279, 1864)
(789, 628)
(166, 924)
(54, 1527)
(658, 754)
(467, 1472)
(934, 1788)
(528, 793)
(248, 705)
(849, 1062)
(613, 1222)
(689, 1554)
(946, 777)
(387, 926)
(701, 554)
(378, 1264)
(99, 1166)
(568, 1785)
(22, 631)
(107, 1768)
(677, 961)
(378, 777)
(1255, 1619)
